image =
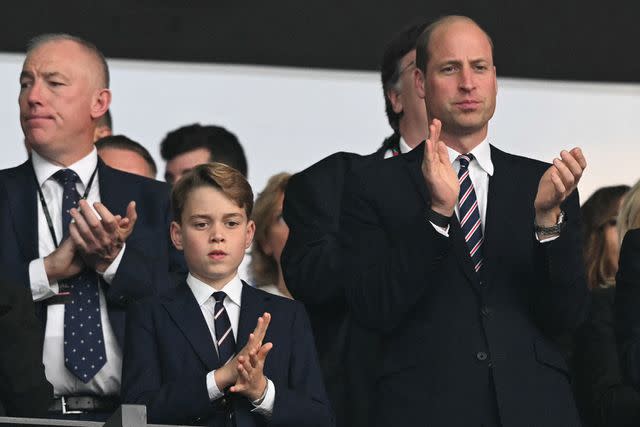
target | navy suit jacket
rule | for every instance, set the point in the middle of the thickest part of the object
(462, 349)
(311, 263)
(149, 255)
(169, 351)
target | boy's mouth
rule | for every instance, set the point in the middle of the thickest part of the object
(217, 254)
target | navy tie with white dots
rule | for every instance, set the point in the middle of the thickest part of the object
(84, 351)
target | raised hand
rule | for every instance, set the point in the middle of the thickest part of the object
(64, 262)
(251, 381)
(441, 178)
(557, 183)
(99, 240)
(228, 374)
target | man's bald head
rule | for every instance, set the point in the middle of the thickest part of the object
(100, 61)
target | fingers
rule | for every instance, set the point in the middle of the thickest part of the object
(132, 214)
(576, 152)
(109, 222)
(434, 130)
(557, 182)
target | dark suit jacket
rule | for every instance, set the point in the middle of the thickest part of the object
(602, 396)
(169, 351)
(627, 307)
(311, 263)
(461, 349)
(24, 390)
(149, 255)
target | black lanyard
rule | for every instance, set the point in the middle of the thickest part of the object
(45, 209)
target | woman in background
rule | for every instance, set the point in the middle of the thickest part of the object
(271, 235)
(602, 396)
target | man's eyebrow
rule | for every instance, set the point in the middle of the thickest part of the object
(26, 75)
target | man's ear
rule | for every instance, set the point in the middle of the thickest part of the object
(251, 231)
(100, 103)
(176, 235)
(418, 80)
(396, 102)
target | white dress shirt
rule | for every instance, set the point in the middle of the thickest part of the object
(107, 380)
(232, 303)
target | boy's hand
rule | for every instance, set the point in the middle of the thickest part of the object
(227, 375)
(251, 381)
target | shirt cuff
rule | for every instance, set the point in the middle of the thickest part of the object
(264, 405)
(111, 271)
(547, 239)
(212, 387)
(41, 288)
(442, 230)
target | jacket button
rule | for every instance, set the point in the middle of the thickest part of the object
(481, 356)
(486, 311)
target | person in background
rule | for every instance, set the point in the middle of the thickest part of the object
(126, 155)
(189, 146)
(104, 126)
(627, 299)
(311, 260)
(603, 398)
(271, 235)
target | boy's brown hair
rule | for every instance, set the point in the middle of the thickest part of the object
(217, 175)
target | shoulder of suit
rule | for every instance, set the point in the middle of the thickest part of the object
(280, 301)
(502, 158)
(20, 169)
(141, 181)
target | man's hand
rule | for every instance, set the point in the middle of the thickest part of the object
(251, 381)
(228, 374)
(557, 183)
(441, 179)
(99, 241)
(64, 262)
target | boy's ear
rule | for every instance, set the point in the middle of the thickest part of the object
(176, 235)
(251, 230)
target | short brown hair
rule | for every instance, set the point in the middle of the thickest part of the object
(422, 44)
(217, 175)
(263, 268)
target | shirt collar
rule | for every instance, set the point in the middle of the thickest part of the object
(482, 154)
(404, 147)
(84, 167)
(202, 291)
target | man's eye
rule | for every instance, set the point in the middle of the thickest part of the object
(200, 225)
(52, 83)
(448, 69)
(232, 224)
(24, 85)
(481, 67)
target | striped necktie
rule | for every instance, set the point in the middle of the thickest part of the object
(470, 213)
(224, 333)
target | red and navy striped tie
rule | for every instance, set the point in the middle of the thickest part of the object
(224, 333)
(470, 213)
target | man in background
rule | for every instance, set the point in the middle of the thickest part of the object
(312, 257)
(189, 146)
(126, 155)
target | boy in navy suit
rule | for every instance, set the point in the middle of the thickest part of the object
(191, 356)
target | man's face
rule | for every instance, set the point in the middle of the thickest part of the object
(405, 99)
(59, 99)
(126, 160)
(184, 162)
(214, 234)
(460, 83)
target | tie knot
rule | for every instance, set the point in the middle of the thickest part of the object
(66, 176)
(219, 296)
(465, 159)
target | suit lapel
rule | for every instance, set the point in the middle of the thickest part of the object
(253, 305)
(461, 252)
(24, 209)
(186, 313)
(501, 191)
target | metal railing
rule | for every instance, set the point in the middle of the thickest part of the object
(124, 416)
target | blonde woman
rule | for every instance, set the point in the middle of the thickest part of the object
(271, 235)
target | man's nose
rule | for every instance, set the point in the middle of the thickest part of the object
(467, 80)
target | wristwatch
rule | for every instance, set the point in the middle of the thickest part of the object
(554, 230)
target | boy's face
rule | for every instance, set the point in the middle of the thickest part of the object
(214, 235)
